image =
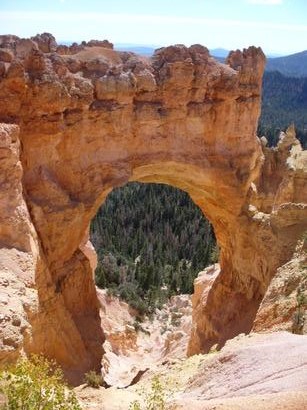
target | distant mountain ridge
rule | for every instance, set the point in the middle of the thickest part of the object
(138, 49)
(294, 65)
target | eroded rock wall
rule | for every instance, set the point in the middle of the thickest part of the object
(284, 306)
(276, 215)
(34, 316)
(19, 252)
(91, 119)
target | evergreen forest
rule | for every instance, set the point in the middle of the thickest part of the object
(151, 241)
(284, 101)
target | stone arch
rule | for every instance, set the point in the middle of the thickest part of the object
(91, 119)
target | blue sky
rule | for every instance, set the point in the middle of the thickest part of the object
(276, 25)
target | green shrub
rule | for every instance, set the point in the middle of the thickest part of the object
(155, 399)
(176, 318)
(298, 321)
(111, 292)
(139, 305)
(138, 327)
(298, 318)
(135, 406)
(100, 277)
(93, 379)
(215, 254)
(36, 383)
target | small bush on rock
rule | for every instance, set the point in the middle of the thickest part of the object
(93, 379)
(36, 383)
(155, 399)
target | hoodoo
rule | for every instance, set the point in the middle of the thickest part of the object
(78, 121)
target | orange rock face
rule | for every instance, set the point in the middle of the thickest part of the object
(284, 306)
(91, 119)
(275, 218)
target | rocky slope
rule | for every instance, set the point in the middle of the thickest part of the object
(89, 119)
(247, 373)
(18, 251)
(133, 347)
(284, 306)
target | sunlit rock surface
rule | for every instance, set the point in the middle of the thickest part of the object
(89, 119)
(284, 306)
(246, 374)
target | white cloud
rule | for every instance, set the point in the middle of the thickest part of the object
(265, 2)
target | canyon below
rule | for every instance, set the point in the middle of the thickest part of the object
(247, 372)
(77, 122)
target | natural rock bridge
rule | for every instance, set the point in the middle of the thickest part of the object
(79, 121)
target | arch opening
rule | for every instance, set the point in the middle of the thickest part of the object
(151, 242)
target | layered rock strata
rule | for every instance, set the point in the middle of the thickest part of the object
(90, 119)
